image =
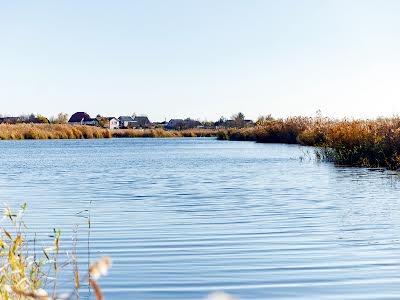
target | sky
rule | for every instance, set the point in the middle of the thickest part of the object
(200, 58)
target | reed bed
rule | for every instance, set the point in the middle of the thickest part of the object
(161, 133)
(367, 143)
(64, 131)
(50, 131)
(30, 273)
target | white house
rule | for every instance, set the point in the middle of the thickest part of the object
(113, 123)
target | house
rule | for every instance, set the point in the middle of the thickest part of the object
(248, 123)
(143, 121)
(179, 124)
(82, 118)
(160, 124)
(108, 122)
(10, 120)
(127, 122)
(229, 124)
(24, 119)
(234, 124)
(113, 123)
(189, 123)
(174, 124)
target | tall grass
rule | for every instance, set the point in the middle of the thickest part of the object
(30, 274)
(50, 131)
(370, 143)
(65, 131)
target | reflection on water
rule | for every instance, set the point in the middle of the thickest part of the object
(184, 217)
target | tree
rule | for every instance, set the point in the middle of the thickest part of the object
(238, 120)
(221, 121)
(61, 118)
(103, 121)
(262, 120)
(41, 119)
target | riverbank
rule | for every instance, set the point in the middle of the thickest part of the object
(65, 131)
(367, 143)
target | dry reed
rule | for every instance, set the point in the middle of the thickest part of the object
(26, 274)
(65, 131)
(368, 143)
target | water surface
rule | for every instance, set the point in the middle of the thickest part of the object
(184, 217)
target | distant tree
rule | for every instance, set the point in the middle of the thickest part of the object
(221, 121)
(103, 121)
(264, 119)
(61, 118)
(25, 118)
(208, 124)
(238, 120)
(41, 119)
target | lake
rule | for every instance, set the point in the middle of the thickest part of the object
(184, 217)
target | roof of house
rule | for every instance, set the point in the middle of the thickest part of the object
(79, 117)
(188, 120)
(142, 120)
(175, 121)
(10, 119)
(125, 118)
(110, 118)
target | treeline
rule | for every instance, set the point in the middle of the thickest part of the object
(369, 143)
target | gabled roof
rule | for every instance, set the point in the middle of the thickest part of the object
(125, 119)
(175, 121)
(142, 120)
(79, 117)
(10, 120)
(110, 118)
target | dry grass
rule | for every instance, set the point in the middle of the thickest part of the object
(27, 274)
(161, 133)
(64, 131)
(370, 143)
(50, 131)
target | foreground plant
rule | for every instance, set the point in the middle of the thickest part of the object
(27, 275)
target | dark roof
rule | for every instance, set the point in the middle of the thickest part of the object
(79, 117)
(10, 120)
(175, 121)
(125, 118)
(142, 120)
(110, 118)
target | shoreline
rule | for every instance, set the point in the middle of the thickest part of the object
(68, 132)
(363, 143)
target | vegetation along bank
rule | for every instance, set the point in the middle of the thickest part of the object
(367, 143)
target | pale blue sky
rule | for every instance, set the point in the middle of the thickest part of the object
(200, 58)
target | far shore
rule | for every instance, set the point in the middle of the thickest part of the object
(365, 143)
(66, 131)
